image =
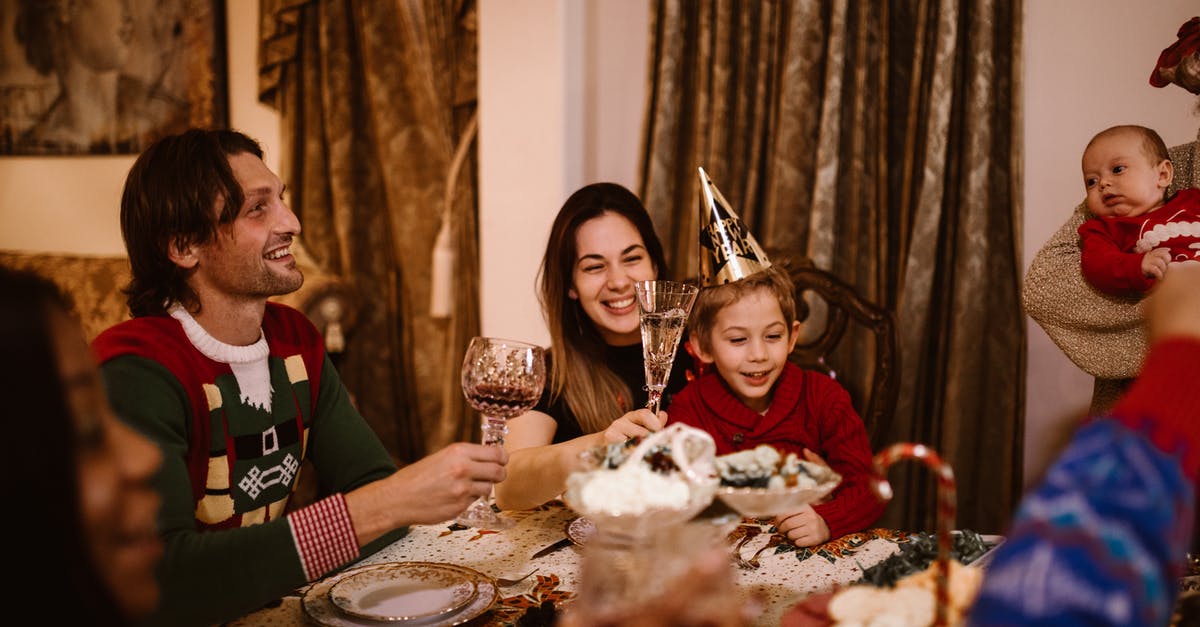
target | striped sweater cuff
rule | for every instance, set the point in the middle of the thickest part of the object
(1164, 401)
(324, 536)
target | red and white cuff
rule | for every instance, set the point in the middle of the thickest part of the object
(324, 536)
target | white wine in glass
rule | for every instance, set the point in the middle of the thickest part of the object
(500, 379)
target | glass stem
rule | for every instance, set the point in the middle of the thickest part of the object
(494, 430)
(652, 400)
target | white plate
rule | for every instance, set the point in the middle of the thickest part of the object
(320, 609)
(402, 592)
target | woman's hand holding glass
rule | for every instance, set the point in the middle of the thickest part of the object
(638, 422)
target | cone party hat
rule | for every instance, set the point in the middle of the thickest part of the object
(728, 252)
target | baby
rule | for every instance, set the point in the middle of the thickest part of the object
(753, 395)
(1136, 231)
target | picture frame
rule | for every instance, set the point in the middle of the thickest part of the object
(96, 77)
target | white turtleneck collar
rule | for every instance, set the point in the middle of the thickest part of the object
(249, 363)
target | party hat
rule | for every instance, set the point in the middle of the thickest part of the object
(728, 252)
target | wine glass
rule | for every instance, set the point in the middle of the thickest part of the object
(501, 379)
(664, 307)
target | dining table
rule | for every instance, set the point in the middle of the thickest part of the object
(765, 565)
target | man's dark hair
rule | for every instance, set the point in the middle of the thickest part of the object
(171, 198)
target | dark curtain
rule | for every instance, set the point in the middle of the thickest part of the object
(374, 97)
(880, 139)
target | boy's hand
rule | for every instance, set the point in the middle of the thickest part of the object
(804, 528)
(1154, 263)
(636, 423)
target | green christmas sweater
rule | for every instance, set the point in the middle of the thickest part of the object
(230, 464)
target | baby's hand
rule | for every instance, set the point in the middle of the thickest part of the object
(1154, 263)
(804, 528)
(636, 423)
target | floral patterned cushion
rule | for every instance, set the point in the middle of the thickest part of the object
(93, 283)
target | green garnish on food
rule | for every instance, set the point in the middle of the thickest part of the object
(919, 552)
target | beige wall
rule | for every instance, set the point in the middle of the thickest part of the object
(562, 89)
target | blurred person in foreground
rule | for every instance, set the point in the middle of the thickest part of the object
(1103, 538)
(239, 393)
(91, 551)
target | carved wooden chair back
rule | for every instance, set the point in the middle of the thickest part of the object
(845, 305)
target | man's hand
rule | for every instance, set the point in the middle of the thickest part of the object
(446, 482)
(804, 528)
(1154, 263)
(430, 490)
(638, 422)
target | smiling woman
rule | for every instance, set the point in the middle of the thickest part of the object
(602, 241)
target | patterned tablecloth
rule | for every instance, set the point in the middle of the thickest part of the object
(785, 573)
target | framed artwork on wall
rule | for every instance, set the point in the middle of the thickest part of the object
(87, 77)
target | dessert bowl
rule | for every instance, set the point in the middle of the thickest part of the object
(762, 482)
(637, 488)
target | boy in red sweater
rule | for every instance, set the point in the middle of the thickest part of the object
(744, 324)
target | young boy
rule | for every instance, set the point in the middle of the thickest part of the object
(1136, 231)
(753, 395)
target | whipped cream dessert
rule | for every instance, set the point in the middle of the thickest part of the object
(635, 491)
(661, 471)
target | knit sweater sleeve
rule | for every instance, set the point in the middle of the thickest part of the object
(1107, 267)
(845, 447)
(1101, 334)
(683, 407)
(1100, 540)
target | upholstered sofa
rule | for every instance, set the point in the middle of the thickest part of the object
(94, 284)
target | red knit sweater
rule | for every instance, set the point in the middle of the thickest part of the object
(808, 410)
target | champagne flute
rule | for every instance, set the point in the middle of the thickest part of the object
(664, 307)
(500, 379)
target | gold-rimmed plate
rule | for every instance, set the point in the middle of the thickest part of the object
(402, 592)
(580, 530)
(319, 607)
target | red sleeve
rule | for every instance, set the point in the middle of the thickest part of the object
(845, 447)
(1105, 265)
(683, 406)
(1163, 403)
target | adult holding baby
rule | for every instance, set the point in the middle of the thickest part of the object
(1102, 333)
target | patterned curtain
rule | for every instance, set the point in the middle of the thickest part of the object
(374, 97)
(880, 139)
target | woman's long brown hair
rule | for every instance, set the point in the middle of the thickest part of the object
(579, 373)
